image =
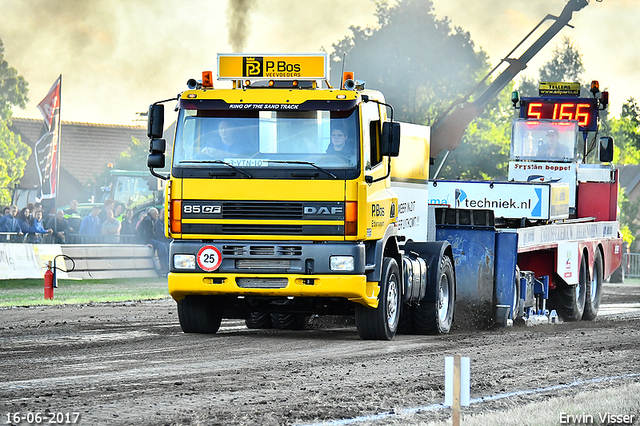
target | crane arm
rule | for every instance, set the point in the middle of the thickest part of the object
(448, 128)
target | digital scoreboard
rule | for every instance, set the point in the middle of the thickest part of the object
(582, 110)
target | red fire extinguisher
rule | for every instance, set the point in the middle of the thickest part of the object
(48, 282)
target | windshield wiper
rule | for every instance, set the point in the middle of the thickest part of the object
(309, 163)
(218, 162)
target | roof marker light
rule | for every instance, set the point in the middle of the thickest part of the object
(207, 79)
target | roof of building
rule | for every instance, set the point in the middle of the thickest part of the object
(629, 177)
(85, 148)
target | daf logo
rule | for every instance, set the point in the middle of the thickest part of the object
(323, 210)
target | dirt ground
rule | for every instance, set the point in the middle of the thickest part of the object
(130, 364)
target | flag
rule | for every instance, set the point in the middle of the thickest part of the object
(48, 146)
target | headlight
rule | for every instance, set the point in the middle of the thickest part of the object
(184, 261)
(341, 263)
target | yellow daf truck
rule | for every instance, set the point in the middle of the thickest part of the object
(289, 198)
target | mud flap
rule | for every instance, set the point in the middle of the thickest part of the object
(474, 248)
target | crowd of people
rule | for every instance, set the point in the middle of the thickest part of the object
(111, 223)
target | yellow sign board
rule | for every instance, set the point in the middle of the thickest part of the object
(276, 67)
(559, 89)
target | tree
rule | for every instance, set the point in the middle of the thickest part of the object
(418, 61)
(483, 153)
(565, 65)
(422, 64)
(626, 134)
(134, 158)
(13, 152)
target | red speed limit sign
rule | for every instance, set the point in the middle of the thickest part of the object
(209, 258)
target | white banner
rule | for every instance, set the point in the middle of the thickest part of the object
(529, 171)
(19, 261)
(506, 199)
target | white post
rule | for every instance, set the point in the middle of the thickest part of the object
(456, 385)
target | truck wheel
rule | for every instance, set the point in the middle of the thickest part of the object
(594, 290)
(200, 314)
(569, 299)
(437, 317)
(289, 321)
(258, 320)
(381, 323)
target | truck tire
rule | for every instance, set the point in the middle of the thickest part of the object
(258, 320)
(437, 317)
(381, 323)
(200, 314)
(289, 321)
(594, 289)
(569, 300)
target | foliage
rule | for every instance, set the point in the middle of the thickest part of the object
(13, 160)
(418, 61)
(626, 134)
(134, 158)
(629, 225)
(13, 152)
(565, 65)
(422, 64)
(483, 153)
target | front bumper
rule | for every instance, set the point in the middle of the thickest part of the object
(352, 287)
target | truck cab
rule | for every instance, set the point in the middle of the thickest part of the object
(279, 201)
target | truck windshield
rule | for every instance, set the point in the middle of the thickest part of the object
(544, 140)
(273, 139)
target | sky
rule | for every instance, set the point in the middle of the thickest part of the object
(118, 56)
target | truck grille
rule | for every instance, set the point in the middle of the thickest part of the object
(262, 210)
(255, 282)
(295, 218)
(255, 250)
(263, 264)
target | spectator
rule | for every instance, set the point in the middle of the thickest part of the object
(32, 210)
(128, 229)
(9, 223)
(5, 212)
(106, 205)
(117, 210)
(91, 225)
(73, 217)
(60, 227)
(24, 220)
(37, 230)
(150, 232)
(141, 217)
(111, 228)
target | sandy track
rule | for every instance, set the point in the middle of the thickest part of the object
(131, 364)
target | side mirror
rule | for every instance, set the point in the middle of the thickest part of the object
(155, 121)
(157, 148)
(606, 149)
(155, 161)
(390, 142)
